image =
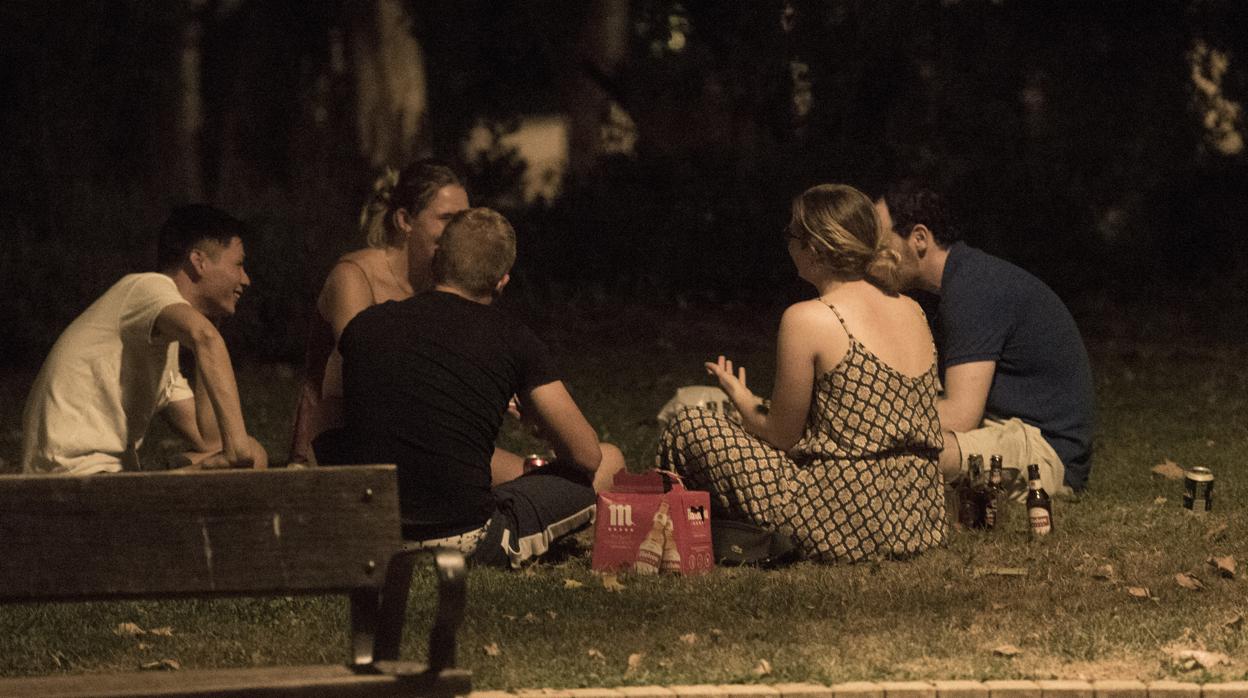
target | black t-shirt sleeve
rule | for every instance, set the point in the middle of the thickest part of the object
(975, 325)
(536, 366)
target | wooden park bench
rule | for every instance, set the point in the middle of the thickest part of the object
(184, 534)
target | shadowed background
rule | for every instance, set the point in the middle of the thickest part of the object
(646, 149)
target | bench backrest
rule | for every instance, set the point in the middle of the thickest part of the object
(195, 533)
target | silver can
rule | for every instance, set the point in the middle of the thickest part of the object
(1198, 490)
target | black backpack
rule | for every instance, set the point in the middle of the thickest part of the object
(737, 543)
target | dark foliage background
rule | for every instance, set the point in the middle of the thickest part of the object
(1069, 133)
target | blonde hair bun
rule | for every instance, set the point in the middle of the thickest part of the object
(885, 268)
(373, 214)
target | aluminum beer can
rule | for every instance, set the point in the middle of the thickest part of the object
(534, 461)
(1198, 490)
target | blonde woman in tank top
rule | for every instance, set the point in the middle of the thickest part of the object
(843, 456)
(402, 221)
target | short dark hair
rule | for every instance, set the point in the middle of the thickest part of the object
(188, 226)
(912, 202)
(476, 250)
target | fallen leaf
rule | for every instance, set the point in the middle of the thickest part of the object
(610, 582)
(1159, 500)
(634, 661)
(1104, 572)
(142, 646)
(1191, 659)
(763, 668)
(1000, 572)
(1139, 592)
(529, 618)
(510, 617)
(492, 650)
(1210, 443)
(665, 663)
(572, 584)
(166, 631)
(551, 614)
(58, 658)
(1235, 622)
(161, 665)
(1169, 470)
(1006, 651)
(1189, 581)
(997, 606)
(1225, 566)
(595, 654)
(128, 630)
(1215, 533)
(689, 638)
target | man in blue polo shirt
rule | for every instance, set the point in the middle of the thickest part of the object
(1017, 381)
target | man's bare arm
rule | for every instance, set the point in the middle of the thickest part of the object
(966, 393)
(561, 423)
(216, 378)
(181, 417)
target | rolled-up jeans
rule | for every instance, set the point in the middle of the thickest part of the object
(1019, 444)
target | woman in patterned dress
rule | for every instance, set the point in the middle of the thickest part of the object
(844, 454)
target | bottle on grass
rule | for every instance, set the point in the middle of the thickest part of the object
(1039, 506)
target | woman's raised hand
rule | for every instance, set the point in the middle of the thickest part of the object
(734, 385)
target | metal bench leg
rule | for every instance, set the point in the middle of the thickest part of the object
(365, 606)
(452, 597)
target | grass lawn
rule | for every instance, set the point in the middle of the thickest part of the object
(1163, 393)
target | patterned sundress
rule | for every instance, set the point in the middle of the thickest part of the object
(862, 483)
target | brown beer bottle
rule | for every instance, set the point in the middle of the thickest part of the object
(650, 552)
(970, 502)
(994, 494)
(1039, 507)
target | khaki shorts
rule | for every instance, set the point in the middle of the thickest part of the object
(1019, 445)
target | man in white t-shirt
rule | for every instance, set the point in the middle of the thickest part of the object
(116, 365)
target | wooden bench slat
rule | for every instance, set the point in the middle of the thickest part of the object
(393, 679)
(256, 533)
(215, 532)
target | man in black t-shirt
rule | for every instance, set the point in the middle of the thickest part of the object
(1017, 380)
(426, 383)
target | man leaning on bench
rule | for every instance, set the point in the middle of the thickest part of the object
(116, 365)
(193, 532)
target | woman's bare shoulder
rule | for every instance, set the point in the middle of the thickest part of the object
(365, 256)
(806, 311)
(809, 319)
(355, 266)
(351, 276)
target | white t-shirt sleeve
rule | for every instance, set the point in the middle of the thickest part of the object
(150, 294)
(176, 387)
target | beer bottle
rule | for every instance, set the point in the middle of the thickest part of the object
(671, 554)
(994, 495)
(970, 506)
(650, 552)
(1039, 508)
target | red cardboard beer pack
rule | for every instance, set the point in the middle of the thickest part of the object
(650, 523)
